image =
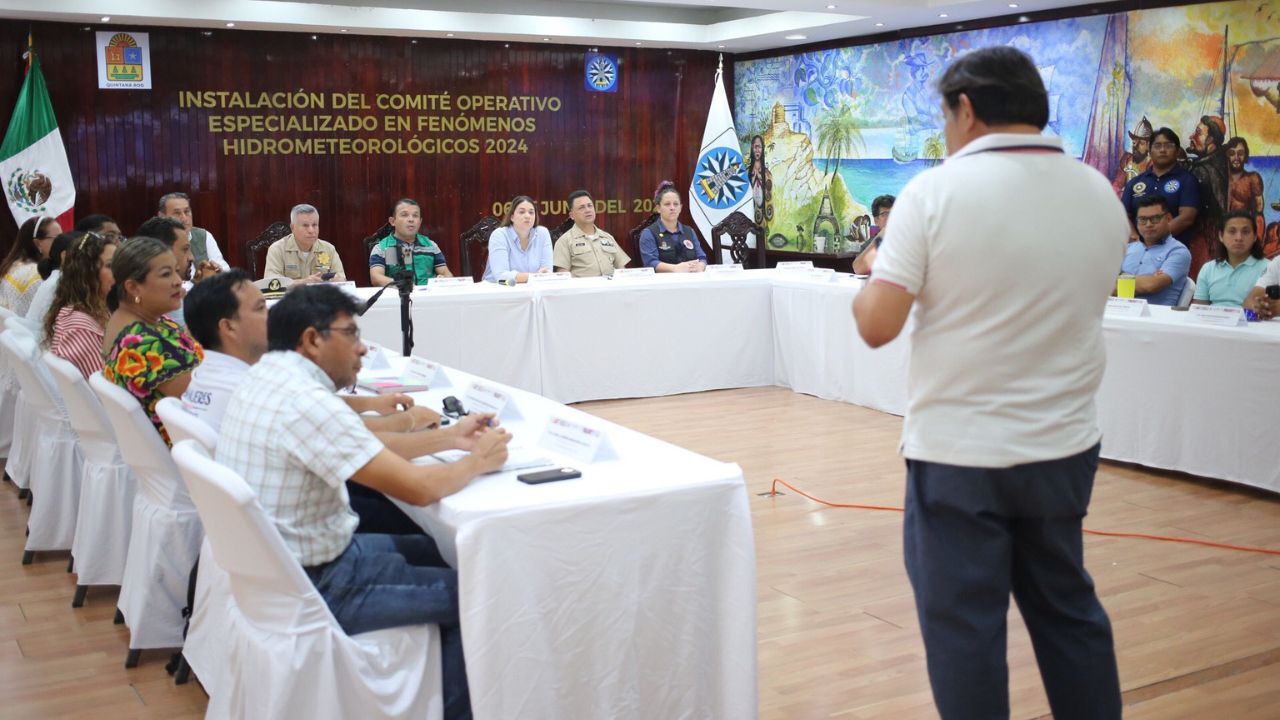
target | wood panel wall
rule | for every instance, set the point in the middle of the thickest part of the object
(128, 147)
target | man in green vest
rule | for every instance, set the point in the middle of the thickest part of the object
(405, 249)
(204, 247)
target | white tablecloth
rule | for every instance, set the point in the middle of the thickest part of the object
(487, 329)
(1195, 398)
(1176, 394)
(817, 349)
(659, 335)
(626, 594)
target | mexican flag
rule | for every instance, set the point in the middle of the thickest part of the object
(33, 161)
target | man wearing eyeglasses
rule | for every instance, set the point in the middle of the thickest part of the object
(1166, 178)
(880, 208)
(102, 226)
(1160, 262)
(296, 444)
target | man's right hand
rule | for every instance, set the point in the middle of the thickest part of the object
(490, 451)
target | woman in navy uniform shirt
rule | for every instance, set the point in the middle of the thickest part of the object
(667, 245)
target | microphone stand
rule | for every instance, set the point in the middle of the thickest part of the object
(404, 284)
(403, 281)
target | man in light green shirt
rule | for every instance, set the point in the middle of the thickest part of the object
(1238, 263)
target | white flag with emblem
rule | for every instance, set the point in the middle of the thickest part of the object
(33, 161)
(720, 178)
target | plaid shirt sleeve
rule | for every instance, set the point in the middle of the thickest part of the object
(328, 437)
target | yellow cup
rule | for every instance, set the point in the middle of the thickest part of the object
(1126, 285)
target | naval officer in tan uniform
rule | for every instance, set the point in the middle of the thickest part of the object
(586, 250)
(301, 255)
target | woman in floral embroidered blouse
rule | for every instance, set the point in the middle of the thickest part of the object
(146, 353)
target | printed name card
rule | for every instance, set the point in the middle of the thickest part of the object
(582, 443)
(820, 274)
(445, 283)
(481, 398)
(734, 269)
(1127, 307)
(554, 277)
(795, 265)
(421, 371)
(376, 360)
(345, 285)
(632, 273)
(1219, 315)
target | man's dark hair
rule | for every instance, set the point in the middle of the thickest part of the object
(1152, 201)
(1220, 248)
(91, 223)
(1002, 84)
(403, 201)
(577, 194)
(60, 245)
(309, 306)
(1169, 135)
(881, 203)
(209, 302)
(164, 229)
(1234, 143)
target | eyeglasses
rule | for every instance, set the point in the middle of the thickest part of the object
(112, 236)
(1163, 145)
(351, 331)
(1151, 219)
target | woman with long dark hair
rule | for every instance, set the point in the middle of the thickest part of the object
(19, 276)
(75, 320)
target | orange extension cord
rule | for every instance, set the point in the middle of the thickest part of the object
(773, 491)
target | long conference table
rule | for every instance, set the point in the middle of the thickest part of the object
(1176, 395)
(628, 593)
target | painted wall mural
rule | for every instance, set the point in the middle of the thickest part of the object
(828, 131)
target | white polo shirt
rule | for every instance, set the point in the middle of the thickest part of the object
(1270, 276)
(1011, 249)
(213, 382)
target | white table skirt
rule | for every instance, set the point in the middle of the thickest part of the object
(1176, 394)
(1194, 398)
(698, 333)
(626, 594)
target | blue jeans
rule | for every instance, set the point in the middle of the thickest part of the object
(971, 537)
(384, 581)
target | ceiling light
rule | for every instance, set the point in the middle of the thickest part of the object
(231, 24)
(879, 24)
(831, 7)
(719, 47)
(206, 33)
(796, 36)
(344, 30)
(637, 43)
(106, 18)
(546, 39)
(1023, 18)
(943, 15)
(315, 37)
(448, 34)
(1013, 5)
(506, 45)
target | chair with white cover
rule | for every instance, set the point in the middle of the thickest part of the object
(203, 648)
(1188, 292)
(182, 425)
(166, 531)
(55, 483)
(107, 486)
(288, 655)
(22, 435)
(8, 394)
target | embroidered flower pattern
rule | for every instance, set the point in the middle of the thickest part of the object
(144, 357)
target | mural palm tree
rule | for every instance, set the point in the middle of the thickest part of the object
(935, 148)
(839, 136)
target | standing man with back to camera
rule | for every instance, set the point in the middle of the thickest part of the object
(1001, 437)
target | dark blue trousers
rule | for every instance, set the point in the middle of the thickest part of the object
(972, 536)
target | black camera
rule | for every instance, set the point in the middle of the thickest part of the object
(1273, 292)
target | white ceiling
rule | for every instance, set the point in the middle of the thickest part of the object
(729, 25)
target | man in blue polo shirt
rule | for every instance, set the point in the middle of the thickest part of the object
(1165, 177)
(1159, 262)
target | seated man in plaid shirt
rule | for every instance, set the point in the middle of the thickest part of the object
(296, 443)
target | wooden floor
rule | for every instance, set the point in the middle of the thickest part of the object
(1197, 629)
